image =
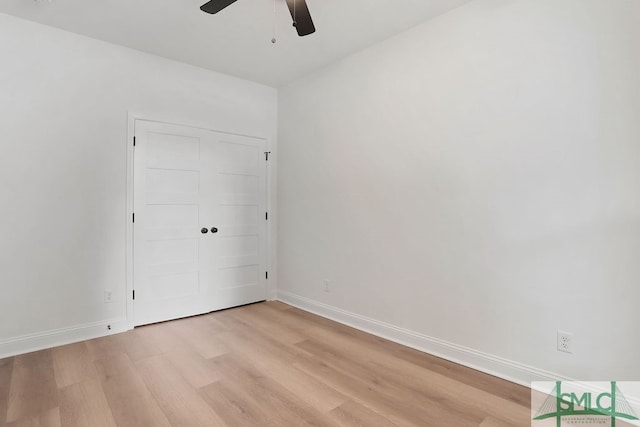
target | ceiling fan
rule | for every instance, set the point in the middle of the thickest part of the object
(299, 12)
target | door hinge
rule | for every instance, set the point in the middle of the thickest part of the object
(266, 275)
(134, 294)
(133, 217)
(134, 141)
(266, 155)
(266, 216)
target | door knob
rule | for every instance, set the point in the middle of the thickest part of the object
(214, 230)
(204, 230)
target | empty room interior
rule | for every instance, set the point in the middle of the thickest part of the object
(317, 213)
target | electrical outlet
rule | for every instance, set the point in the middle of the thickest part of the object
(565, 341)
(108, 296)
(327, 287)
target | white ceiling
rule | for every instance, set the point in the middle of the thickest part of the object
(237, 40)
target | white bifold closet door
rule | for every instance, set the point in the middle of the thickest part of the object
(200, 227)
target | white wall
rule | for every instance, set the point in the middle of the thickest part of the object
(63, 141)
(475, 182)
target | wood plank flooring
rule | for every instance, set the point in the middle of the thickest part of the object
(265, 364)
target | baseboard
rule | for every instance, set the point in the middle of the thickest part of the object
(490, 364)
(40, 341)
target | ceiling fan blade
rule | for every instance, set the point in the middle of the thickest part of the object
(301, 17)
(215, 6)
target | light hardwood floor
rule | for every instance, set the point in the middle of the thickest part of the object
(265, 364)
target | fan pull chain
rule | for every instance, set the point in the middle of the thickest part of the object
(273, 30)
(295, 15)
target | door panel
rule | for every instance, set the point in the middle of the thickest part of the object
(169, 286)
(240, 206)
(187, 179)
(172, 151)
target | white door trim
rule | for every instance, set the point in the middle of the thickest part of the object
(131, 119)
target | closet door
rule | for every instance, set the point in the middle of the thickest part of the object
(199, 229)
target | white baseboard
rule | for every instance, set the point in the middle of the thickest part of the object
(40, 341)
(490, 364)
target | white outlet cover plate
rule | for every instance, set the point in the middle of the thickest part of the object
(565, 341)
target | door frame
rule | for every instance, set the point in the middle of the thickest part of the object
(131, 120)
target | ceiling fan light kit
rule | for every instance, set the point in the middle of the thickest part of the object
(299, 10)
